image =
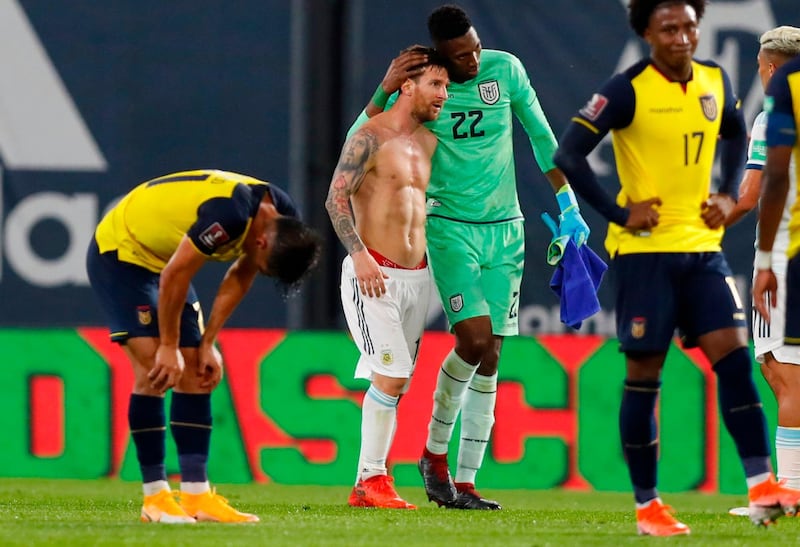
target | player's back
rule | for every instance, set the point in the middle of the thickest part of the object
(147, 225)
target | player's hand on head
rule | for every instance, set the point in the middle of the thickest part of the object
(765, 292)
(209, 367)
(369, 274)
(167, 369)
(643, 214)
(405, 65)
(716, 209)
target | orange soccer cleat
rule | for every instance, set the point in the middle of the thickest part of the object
(377, 491)
(770, 499)
(162, 507)
(655, 519)
(210, 506)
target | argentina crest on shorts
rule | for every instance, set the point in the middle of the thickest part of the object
(489, 91)
(457, 302)
(709, 105)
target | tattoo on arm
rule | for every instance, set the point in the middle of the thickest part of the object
(347, 178)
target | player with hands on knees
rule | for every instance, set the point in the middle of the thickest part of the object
(141, 262)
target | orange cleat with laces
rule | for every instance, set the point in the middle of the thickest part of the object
(655, 519)
(210, 506)
(377, 491)
(162, 507)
(770, 500)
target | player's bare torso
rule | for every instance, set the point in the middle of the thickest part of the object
(390, 204)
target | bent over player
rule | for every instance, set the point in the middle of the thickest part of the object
(376, 203)
(666, 114)
(141, 262)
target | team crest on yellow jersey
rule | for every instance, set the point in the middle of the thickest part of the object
(638, 325)
(489, 91)
(709, 106)
(144, 315)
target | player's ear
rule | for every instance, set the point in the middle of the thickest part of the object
(407, 86)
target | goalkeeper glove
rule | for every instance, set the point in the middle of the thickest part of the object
(557, 245)
(572, 223)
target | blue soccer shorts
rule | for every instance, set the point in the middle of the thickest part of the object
(658, 293)
(129, 296)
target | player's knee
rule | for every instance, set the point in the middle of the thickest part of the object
(734, 366)
(390, 386)
(478, 349)
(737, 390)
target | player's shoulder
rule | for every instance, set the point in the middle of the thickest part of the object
(709, 66)
(707, 63)
(630, 73)
(497, 58)
(371, 129)
(498, 55)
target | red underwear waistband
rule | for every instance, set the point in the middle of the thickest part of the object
(385, 262)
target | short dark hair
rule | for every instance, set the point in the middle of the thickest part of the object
(295, 252)
(639, 11)
(448, 22)
(434, 57)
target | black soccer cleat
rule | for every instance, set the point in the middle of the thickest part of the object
(436, 477)
(468, 498)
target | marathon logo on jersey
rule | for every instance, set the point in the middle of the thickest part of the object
(214, 236)
(489, 91)
(594, 107)
(638, 327)
(457, 302)
(709, 105)
(144, 315)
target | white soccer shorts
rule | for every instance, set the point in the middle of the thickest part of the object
(387, 329)
(769, 337)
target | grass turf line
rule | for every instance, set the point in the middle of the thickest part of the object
(106, 512)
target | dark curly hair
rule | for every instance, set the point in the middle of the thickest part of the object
(639, 11)
(448, 22)
(295, 252)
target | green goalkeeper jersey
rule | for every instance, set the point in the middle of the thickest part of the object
(473, 177)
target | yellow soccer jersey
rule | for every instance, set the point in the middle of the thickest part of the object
(214, 208)
(664, 135)
(782, 104)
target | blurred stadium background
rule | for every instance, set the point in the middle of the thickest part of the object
(98, 96)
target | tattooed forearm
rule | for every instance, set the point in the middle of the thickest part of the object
(338, 206)
(347, 178)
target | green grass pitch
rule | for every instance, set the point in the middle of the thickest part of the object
(106, 512)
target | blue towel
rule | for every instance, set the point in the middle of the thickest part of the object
(578, 275)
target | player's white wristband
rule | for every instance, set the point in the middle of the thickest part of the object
(763, 260)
